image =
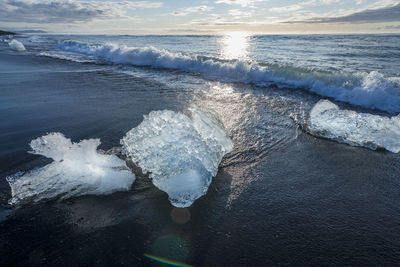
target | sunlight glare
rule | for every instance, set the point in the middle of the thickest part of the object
(234, 45)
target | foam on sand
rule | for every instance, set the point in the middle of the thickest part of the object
(181, 153)
(353, 128)
(16, 45)
(77, 169)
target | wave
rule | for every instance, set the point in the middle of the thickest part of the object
(181, 153)
(357, 129)
(16, 45)
(371, 90)
(77, 169)
(35, 39)
(69, 57)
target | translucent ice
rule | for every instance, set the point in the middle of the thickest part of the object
(181, 153)
(358, 129)
(77, 169)
(16, 45)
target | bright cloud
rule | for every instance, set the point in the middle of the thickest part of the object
(194, 9)
(243, 3)
(302, 5)
(292, 8)
(239, 13)
(328, 2)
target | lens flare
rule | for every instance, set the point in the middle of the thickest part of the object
(167, 261)
(180, 215)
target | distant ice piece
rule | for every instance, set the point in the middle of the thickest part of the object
(16, 45)
(358, 129)
(78, 169)
(181, 153)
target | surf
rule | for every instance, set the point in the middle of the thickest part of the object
(370, 90)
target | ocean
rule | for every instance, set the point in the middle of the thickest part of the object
(246, 150)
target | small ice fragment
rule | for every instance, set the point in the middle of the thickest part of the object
(16, 45)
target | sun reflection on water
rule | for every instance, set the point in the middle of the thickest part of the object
(234, 45)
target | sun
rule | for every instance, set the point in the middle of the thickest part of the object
(234, 45)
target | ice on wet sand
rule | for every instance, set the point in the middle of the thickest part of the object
(358, 129)
(77, 169)
(181, 152)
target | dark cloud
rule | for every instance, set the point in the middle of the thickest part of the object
(384, 14)
(64, 11)
(392, 27)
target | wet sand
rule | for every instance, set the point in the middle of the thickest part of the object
(304, 201)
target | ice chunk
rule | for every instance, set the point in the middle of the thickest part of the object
(358, 129)
(16, 45)
(181, 153)
(77, 169)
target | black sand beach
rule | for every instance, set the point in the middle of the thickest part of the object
(282, 197)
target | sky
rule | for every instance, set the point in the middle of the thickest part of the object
(201, 16)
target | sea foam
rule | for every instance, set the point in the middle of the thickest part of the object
(16, 45)
(358, 129)
(181, 153)
(370, 90)
(77, 169)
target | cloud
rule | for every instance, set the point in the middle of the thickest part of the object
(237, 13)
(194, 9)
(302, 5)
(292, 8)
(328, 2)
(243, 3)
(391, 27)
(383, 14)
(66, 11)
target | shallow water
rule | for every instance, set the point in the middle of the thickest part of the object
(281, 196)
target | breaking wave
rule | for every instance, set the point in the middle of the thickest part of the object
(353, 128)
(371, 90)
(77, 169)
(181, 153)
